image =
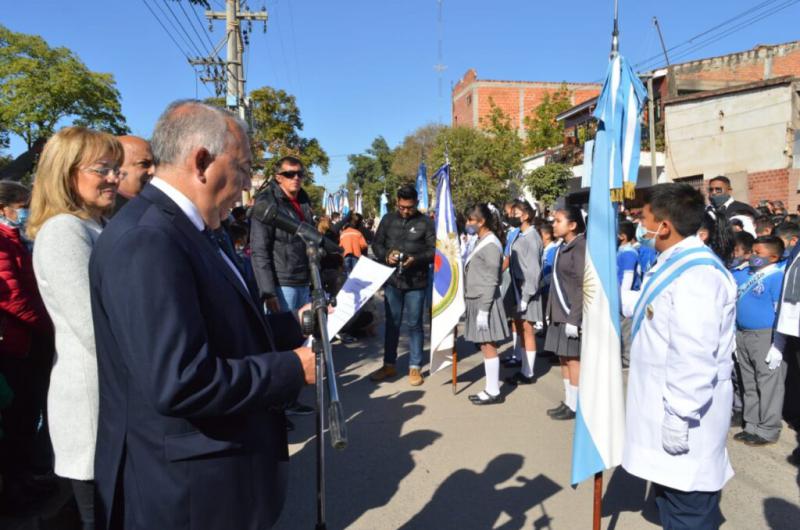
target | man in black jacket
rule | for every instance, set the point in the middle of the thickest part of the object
(719, 194)
(406, 239)
(279, 258)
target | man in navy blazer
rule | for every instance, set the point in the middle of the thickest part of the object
(191, 431)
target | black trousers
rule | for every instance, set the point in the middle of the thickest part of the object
(688, 510)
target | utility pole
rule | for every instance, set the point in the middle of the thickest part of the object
(234, 66)
(439, 67)
(661, 38)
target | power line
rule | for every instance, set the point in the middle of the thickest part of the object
(210, 49)
(176, 33)
(180, 25)
(294, 46)
(759, 11)
(186, 55)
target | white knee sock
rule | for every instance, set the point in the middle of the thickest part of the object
(492, 367)
(516, 348)
(573, 398)
(527, 363)
(566, 390)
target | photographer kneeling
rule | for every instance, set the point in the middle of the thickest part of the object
(406, 239)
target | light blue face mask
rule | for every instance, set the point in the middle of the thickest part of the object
(641, 236)
(471, 229)
(22, 216)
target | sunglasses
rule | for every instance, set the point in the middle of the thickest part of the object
(292, 174)
(716, 191)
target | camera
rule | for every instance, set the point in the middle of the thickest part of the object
(401, 257)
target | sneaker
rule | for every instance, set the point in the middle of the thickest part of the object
(298, 409)
(384, 372)
(566, 414)
(757, 441)
(415, 377)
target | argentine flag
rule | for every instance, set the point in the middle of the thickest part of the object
(600, 416)
(422, 186)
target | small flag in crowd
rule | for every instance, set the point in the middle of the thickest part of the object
(422, 187)
(448, 278)
(330, 205)
(600, 415)
(358, 205)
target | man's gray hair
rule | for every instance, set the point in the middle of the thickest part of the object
(188, 124)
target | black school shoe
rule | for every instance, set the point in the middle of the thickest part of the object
(757, 441)
(511, 362)
(519, 379)
(566, 414)
(742, 436)
(476, 399)
(557, 410)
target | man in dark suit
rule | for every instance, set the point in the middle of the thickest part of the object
(719, 194)
(191, 429)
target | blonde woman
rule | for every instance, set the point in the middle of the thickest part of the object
(75, 187)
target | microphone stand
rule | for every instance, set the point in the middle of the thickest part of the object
(324, 370)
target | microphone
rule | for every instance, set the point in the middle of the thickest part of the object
(268, 213)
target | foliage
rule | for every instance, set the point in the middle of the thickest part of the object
(276, 128)
(416, 147)
(372, 173)
(316, 195)
(543, 130)
(41, 87)
(549, 182)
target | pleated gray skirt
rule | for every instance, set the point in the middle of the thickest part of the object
(558, 342)
(498, 324)
(534, 312)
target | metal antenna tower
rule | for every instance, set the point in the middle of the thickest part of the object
(439, 66)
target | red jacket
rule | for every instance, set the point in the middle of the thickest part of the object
(22, 311)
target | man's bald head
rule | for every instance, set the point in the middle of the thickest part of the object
(138, 167)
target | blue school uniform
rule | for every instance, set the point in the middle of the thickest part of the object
(647, 258)
(628, 260)
(548, 258)
(757, 297)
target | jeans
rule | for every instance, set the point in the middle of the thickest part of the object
(292, 298)
(350, 263)
(396, 302)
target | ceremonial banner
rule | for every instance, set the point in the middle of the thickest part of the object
(600, 415)
(358, 205)
(330, 205)
(448, 276)
(422, 187)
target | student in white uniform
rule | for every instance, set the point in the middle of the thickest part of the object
(485, 320)
(679, 388)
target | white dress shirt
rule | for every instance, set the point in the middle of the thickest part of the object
(191, 211)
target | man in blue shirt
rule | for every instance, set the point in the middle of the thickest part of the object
(758, 295)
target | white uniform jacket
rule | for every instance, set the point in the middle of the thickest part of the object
(681, 361)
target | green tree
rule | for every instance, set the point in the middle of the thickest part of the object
(42, 87)
(549, 182)
(542, 128)
(483, 162)
(371, 171)
(414, 148)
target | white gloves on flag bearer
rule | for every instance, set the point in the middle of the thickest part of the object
(674, 434)
(482, 321)
(523, 306)
(572, 331)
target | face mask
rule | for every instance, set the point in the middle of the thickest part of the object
(514, 222)
(737, 262)
(22, 216)
(719, 200)
(471, 229)
(788, 251)
(641, 236)
(757, 262)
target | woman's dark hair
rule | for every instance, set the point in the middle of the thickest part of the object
(526, 208)
(482, 212)
(574, 215)
(356, 219)
(720, 237)
(13, 193)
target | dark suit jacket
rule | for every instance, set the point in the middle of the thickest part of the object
(570, 269)
(191, 427)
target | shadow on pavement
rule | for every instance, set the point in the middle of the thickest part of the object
(626, 493)
(781, 514)
(468, 499)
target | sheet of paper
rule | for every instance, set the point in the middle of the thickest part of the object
(367, 277)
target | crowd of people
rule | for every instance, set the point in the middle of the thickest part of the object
(149, 331)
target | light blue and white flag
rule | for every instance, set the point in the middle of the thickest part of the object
(600, 415)
(588, 154)
(330, 205)
(358, 203)
(448, 275)
(384, 204)
(422, 187)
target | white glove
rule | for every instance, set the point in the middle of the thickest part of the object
(571, 331)
(774, 358)
(523, 306)
(538, 326)
(482, 321)
(675, 434)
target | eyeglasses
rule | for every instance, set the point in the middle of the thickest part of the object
(716, 191)
(106, 172)
(292, 174)
(406, 208)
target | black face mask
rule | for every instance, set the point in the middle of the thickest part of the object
(514, 222)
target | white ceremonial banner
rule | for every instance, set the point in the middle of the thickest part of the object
(367, 277)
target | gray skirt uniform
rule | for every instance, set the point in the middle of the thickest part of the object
(558, 342)
(483, 293)
(498, 323)
(526, 274)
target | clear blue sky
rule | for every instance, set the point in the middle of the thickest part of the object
(362, 68)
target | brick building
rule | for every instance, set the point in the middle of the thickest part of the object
(472, 98)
